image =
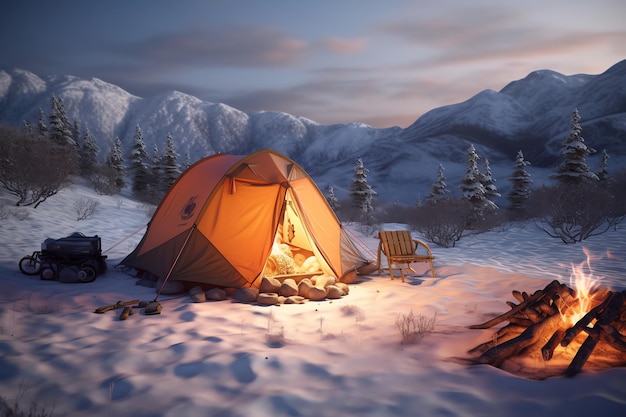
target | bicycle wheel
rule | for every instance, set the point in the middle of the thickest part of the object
(29, 265)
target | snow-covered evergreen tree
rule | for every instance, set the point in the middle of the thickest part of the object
(60, 130)
(88, 154)
(76, 134)
(331, 197)
(361, 192)
(604, 166)
(170, 167)
(27, 128)
(520, 184)
(489, 183)
(42, 127)
(439, 190)
(574, 170)
(472, 188)
(187, 161)
(139, 163)
(115, 160)
(155, 172)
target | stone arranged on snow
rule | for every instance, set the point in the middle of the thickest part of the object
(304, 287)
(197, 295)
(272, 291)
(246, 295)
(295, 299)
(334, 292)
(288, 288)
(317, 293)
(344, 287)
(269, 284)
(267, 298)
(216, 294)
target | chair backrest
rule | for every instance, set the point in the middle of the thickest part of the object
(397, 242)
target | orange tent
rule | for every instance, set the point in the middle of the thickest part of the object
(229, 220)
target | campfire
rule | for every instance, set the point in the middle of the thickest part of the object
(559, 329)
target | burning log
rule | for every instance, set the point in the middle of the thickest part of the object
(605, 314)
(543, 322)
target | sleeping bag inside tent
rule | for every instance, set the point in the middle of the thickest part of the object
(229, 220)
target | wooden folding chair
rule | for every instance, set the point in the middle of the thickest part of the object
(399, 247)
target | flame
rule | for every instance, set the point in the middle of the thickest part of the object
(584, 283)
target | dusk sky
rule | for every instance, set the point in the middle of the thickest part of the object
(383, 63)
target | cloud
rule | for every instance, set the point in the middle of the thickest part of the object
(228, 46)
(344, 46)
(466, 28)
(373, 98)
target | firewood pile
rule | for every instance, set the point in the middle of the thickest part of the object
(544, 338)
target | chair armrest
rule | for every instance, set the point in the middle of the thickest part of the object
(419, 243)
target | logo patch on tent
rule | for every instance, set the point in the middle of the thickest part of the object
(189, 208)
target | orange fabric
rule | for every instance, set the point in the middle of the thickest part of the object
(181, 205)
(236, 204)
(242, 225)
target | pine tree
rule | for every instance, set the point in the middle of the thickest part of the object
(60, 128)
(88, 154)
(139, 161)
(472, 187)
(169, 165)
(489, 183)
(27, 128)
(520, 184)
(187, 162)
(331, 197)
(439, 191)
(604, 165)
(574, 170)
(76, 133)
(115, 160)
(361, 192)
(155, 173)
(42, 127)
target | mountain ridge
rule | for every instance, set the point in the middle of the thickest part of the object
(531, 114)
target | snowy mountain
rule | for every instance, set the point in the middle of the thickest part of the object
(532, 114)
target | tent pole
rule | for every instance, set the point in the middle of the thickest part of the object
(167, 277)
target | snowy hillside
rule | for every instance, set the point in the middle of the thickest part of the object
(531, 114)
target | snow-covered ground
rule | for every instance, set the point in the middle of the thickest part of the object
(335, 358)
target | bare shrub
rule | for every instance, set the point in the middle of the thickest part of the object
(85, 207)
(348, 213)
(20, 213)
(396, 213)
(413, 328)
(14, 408)
(574, 214)
(32, 168)
(102, 180)
(442, 223)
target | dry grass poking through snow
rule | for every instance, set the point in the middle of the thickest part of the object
(413, 328)
(10, 408)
